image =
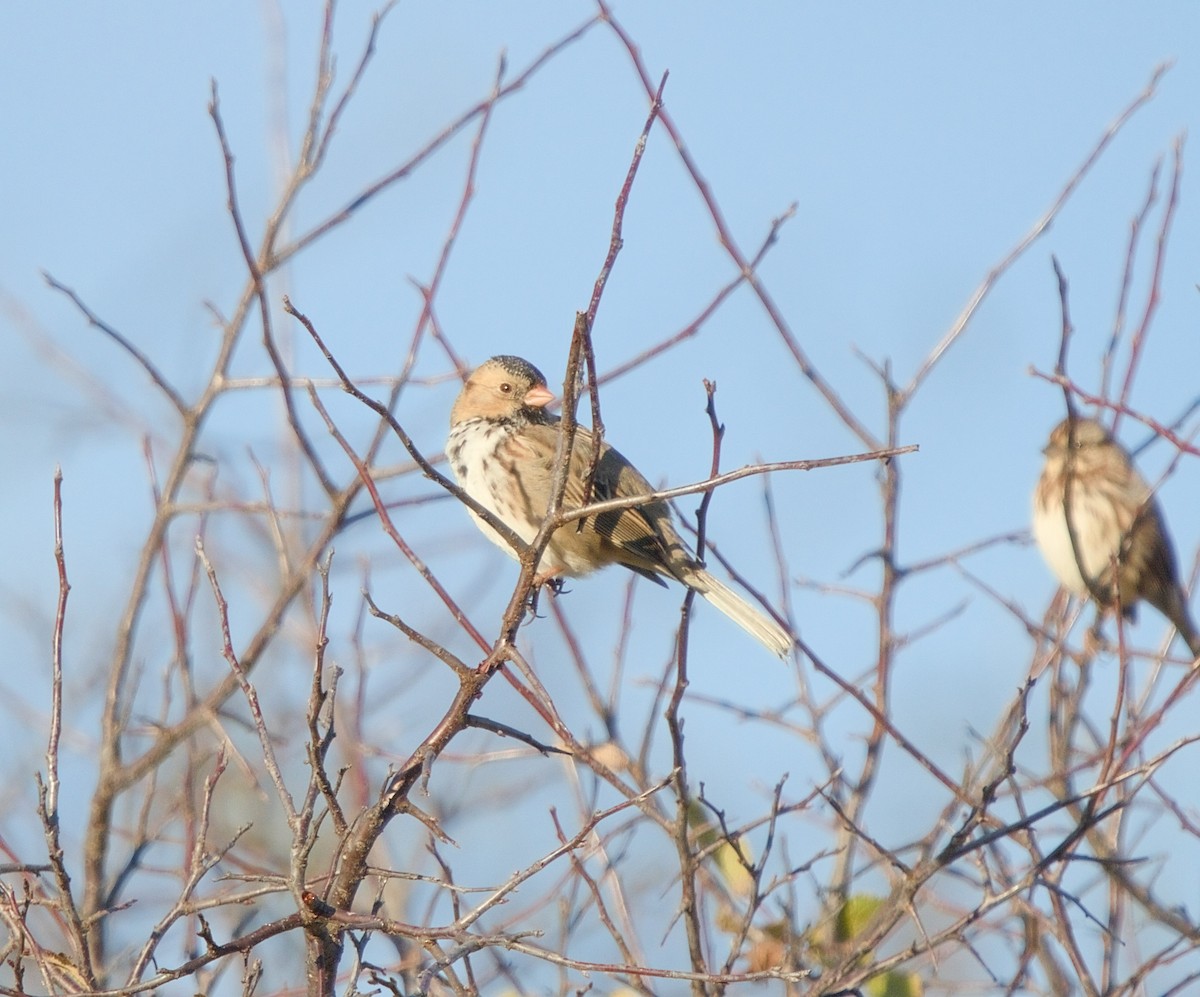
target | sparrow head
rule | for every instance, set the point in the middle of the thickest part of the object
(504, 387)
(1084, 436)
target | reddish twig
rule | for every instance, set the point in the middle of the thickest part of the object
(616, 241)
(257, 266)
(1155, 293)
(1135, 231)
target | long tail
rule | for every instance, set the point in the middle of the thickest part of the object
(1169, 599)
(758, 625)
(1177, 612)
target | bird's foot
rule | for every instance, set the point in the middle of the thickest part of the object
(546, 579)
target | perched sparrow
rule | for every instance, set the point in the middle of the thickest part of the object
(501, 448)
(1114, 517)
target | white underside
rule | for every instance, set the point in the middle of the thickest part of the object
(472, 445)
(1098, 537)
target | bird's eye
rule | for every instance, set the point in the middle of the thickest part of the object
(505, 388)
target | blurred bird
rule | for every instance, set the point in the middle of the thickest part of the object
(501, 449)
(1115, 518)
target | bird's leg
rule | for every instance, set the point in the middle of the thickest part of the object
(552, 577)
(1094, 641)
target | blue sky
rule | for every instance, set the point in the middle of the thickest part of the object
(919, 143)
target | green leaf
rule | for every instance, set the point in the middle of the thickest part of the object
(895, 983)
(855, 915)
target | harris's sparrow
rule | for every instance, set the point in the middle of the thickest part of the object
(501, 449)
(1115, 518)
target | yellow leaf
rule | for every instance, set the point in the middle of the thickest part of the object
(724, 855)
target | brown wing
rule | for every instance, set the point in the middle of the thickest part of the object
(641, 538)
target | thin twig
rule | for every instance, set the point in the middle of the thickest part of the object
(1038, 229)
(143, 361)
